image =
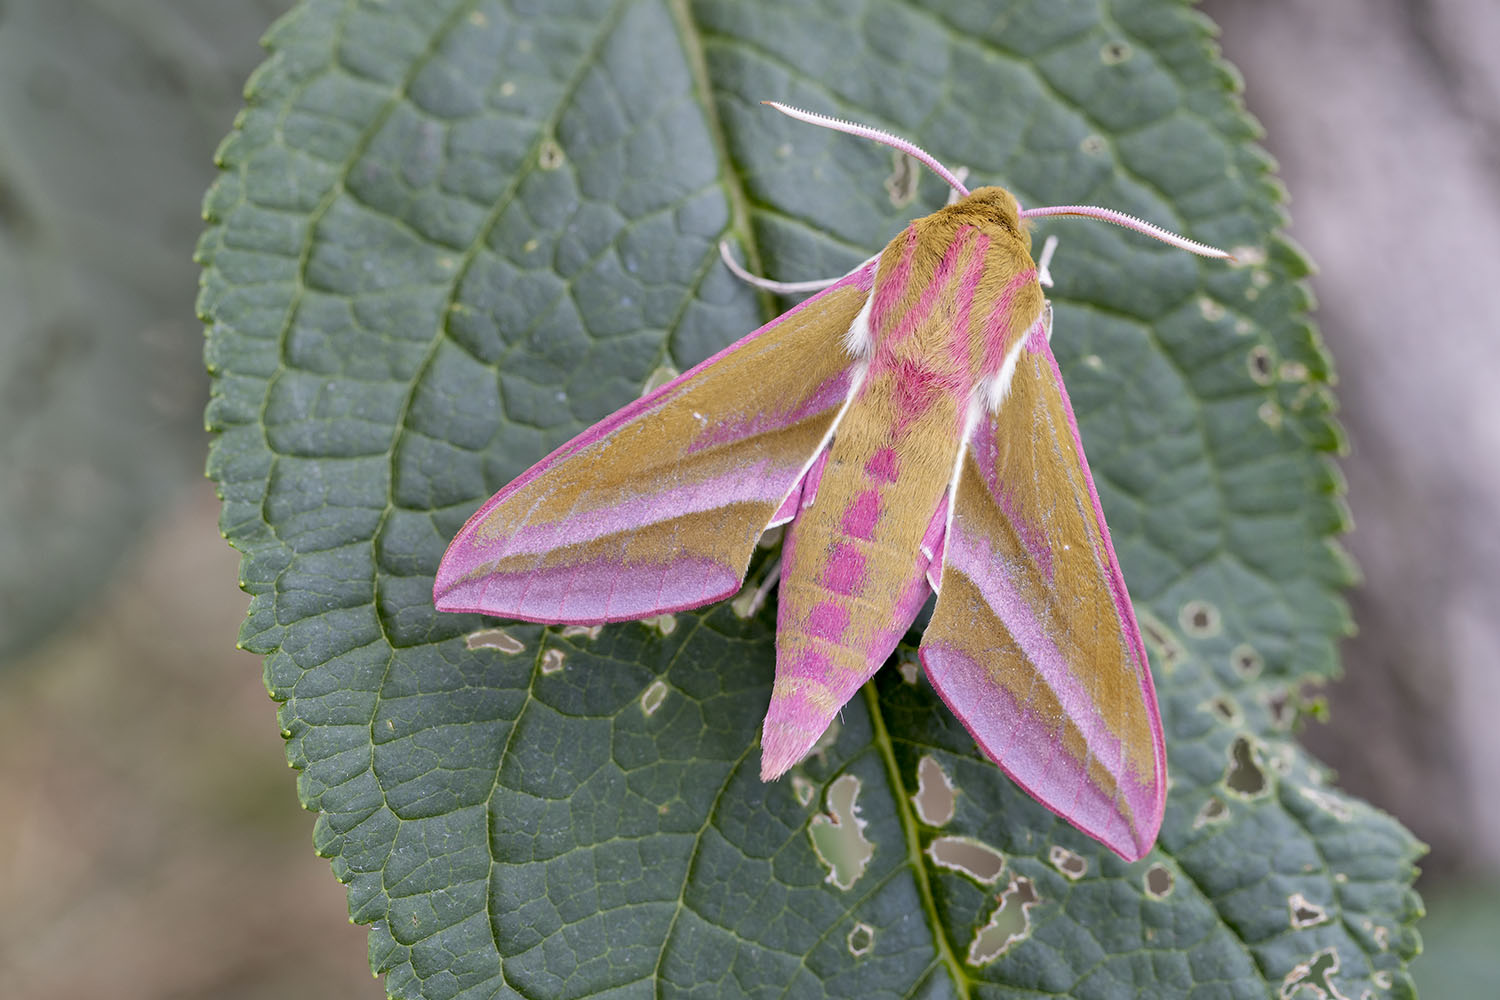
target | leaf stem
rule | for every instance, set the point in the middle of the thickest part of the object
(739, 200)
(913, 838)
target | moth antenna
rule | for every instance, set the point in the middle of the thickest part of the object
(1129, 222)
(770, 284)
(875, 135)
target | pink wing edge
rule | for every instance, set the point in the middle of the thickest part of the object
(1130, 847)
(453, 566)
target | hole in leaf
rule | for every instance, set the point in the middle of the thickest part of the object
(1305, 913)
(1246, 661)
(979, 861)
(1260, 364)
(909, 669)
(906, 175)
(658, 378)
(652, 697)
(665, 624)
(861, 940)
(1159, 881)
(1279, 704)
(494, 638)
(550, 156)
(826, 741)
(934, 801)
(1213, 811)
(582, 631)
(1167, 651)
(1073, 866)
(838, 836)
(1199, 619)
(1224, 708)
(1247, 256)
(552, 661)
(1313, 977)
(1329, 803)
(1293, 371)
(1009, 924)
(803, 789)
(1244, 776)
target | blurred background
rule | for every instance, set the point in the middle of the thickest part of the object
(151, 844)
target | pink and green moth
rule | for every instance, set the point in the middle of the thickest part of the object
(909, 425)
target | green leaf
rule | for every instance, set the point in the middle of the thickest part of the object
(450, 235)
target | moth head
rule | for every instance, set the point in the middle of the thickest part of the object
(995, 211)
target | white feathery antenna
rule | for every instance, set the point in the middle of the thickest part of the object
(875, 135)
(918, 153)
(1129, 222)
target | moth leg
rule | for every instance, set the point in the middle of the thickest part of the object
(749, 602)
(1043, 273)
(962, 173)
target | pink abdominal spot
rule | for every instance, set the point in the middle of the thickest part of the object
(807, 665)
(828, 621)
(827, 396)
(883, 466)
(859, 520)
(845, 572)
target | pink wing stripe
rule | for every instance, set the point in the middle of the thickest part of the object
(934, 543)
(803, 493)
(790, 505)
(597, 592)
(1036, 343)
(1032, 536)
(830, 394)
(757, 482)
(1024, 745)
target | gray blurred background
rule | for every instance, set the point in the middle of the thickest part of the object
(151, 845)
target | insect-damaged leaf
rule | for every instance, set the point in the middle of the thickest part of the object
(413, 297)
